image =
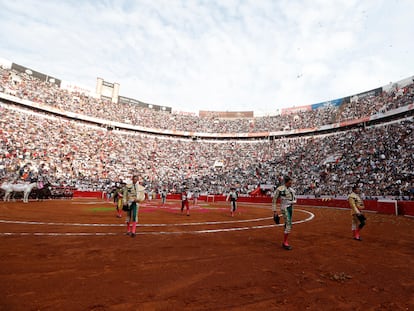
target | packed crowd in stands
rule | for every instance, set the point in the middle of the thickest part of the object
(70, 153)
(25, 86)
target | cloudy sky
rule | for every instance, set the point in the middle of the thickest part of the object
(227, 55)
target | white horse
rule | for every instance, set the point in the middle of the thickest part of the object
(26, 188)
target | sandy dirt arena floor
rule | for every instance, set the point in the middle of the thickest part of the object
(74, 255)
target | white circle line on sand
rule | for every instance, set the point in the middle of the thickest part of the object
(141, 225)
(311, 216)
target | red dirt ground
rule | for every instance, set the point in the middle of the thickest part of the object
(54, 256)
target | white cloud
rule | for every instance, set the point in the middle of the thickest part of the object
(215, 55)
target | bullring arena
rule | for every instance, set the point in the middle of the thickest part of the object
(68, 251)
(74, 255)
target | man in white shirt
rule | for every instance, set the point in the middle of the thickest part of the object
(134, 194)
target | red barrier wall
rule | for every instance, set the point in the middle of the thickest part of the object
(370, 205)
(406, 208)
(88, 194)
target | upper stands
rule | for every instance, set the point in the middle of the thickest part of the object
(24, 86)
